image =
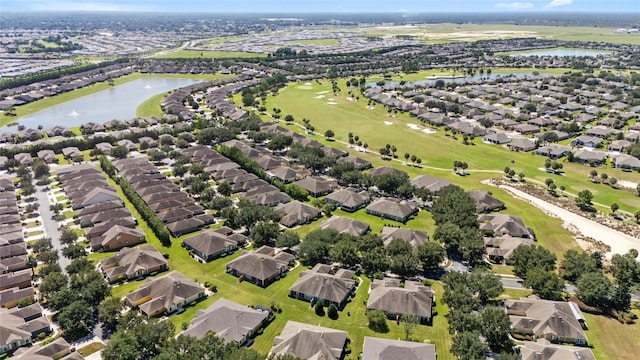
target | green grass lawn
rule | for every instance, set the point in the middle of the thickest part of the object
(437, 151)
(151, 106)
(205, 54)
(297, 310)
(612, 340)
(90, 349)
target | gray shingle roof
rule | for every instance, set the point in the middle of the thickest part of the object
(388, 349)
(309, 342)
(230, 321)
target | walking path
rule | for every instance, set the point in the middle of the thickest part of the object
(619, 242)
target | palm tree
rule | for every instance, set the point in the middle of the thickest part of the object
(366, 146)
(393, 150)
(407, 155)
(413, 159)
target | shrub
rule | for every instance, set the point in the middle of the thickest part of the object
(332, 312)
(319, 308)
(378, 321)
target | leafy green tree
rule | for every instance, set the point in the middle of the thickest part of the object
(594, 289)
(495, 325)
(472, 246)
(546, 284)
(42, 244)
(584, 199)
(319, 308)
(48, 257)
(485, 284)
(329, 134)
(460, 321)
(575, 263)
(345, 252)
(76, 320)
(454, 205)
(73, 251)
(68, 236)
(332, 311)
(314, 250)
(530, 256)
(450, 235)
(467, 345)
(430, 254)
(409, 322)
(287, 239)
(264, 233)
(109, 312)
(377, 321)
(625, 268)
(374, 260)
(404, 264)
(79, 265)
(119, 152)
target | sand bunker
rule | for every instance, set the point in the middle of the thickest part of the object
(308, 84)
(388, 122)
(319, 97)
(413, 126)
(322, 92)
(428, 131)
(627, 184)
(331, 103)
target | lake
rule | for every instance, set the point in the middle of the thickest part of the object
(560, 52)
(457, 79)
(119, 102)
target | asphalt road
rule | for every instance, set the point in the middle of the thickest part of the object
(50, 224)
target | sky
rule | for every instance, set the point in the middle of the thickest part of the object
(325, 6)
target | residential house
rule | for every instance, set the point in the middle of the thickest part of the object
(619, 145)
(104, 147)
(48, 156)
(72, 153)
(344, 225)
(229, 321)
(116, 238)
(260, 267)
(593, 157)
(497, 138)
(57, 349)
(414, 237)
(19, 326)
(306, 341)
(209, 245)
(316, 186)
(499, 249)
(283, 173)
(556, 321)
(485, 202)
(96, 196)
(413, 299)
(521, 145)
(390, 349)
(13, 296)
(318, 285)
(544, 350)
(388, 170)
(587, 141)
(359, 163)
(296, 213)
(553, 151)
(626, 162)
(131, 263)
(431, 183)
(348, 199)
(24, 158)
(166, 294)
(392, 209)
(503, 224)
(20, 279)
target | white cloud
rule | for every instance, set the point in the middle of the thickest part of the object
(556, 3)
(515, 5)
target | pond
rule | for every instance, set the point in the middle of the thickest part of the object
(561, 52)
(455, 79)
(119, 102)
